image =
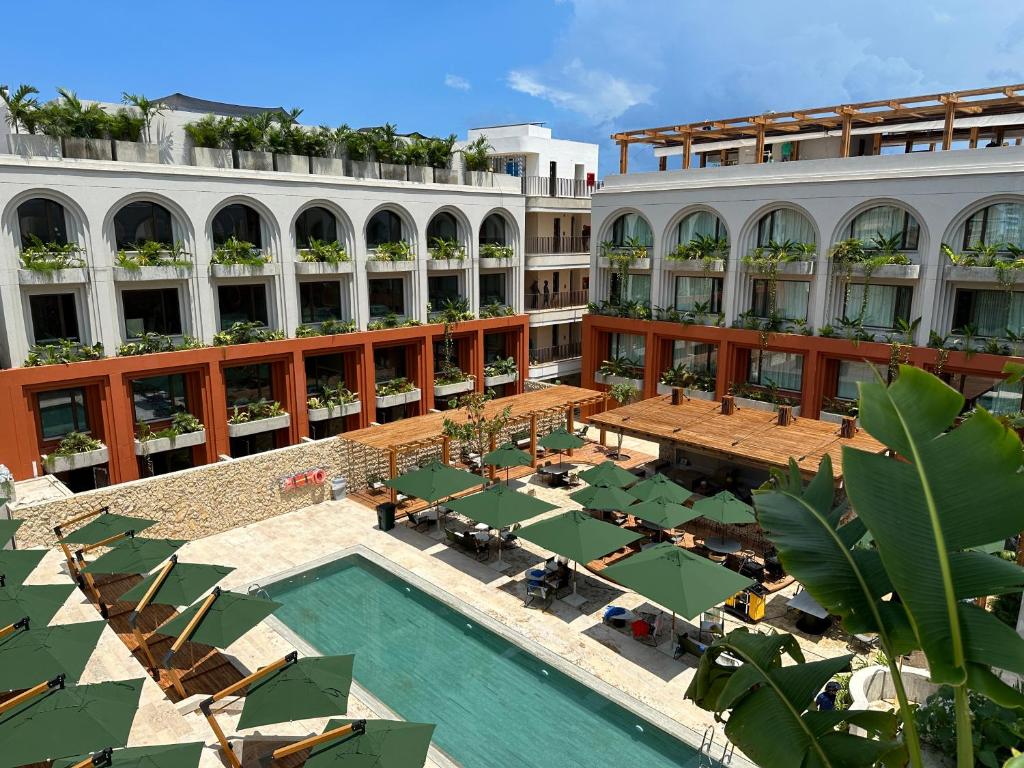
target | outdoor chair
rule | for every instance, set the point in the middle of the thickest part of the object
(418, 520)
(686, 645)
(582, 431)
(508, 537)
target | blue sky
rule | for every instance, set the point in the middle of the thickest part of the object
(586, 67)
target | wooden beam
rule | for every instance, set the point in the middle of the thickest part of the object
(393, 473)
(687, 150)
(31, 693)
(663, 163)
(947, 128)
(623, 157)
(446, 449)
(974, 138)
(355, 727)
(569, 426)
(759, 144)
(844, 142)
(533, 439)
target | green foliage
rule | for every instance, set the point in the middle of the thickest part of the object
(454, 310)
(333, 397)
(325, 328)
(475, 155)
(261, 409)
(149, 343)
(48, 257)
(386, 144)
(397, 386)
(150, 253)
(621, 366)
(245, 333)
(209, 132)
(501, 366)
(391, 320)
(64, 351)
(323, 252)
(147, 109)
(681, 376)
(496, 309)
(995, 730)
(235, 251)
(704, 248)
(77, 442)
(447, 249)
(20, 105)
(495, 251)
(478, 428)
(182, 423)
(396, 251)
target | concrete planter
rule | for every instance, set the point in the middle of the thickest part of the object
(478, 178)
(971, 274)
(444, 390)
(63, 276)
(693, 394)
(643, 264)
(259, 425)
(760, 405)
(890, 272)
(88, 149)
(291, 164)
(497, 263)
(392, 172)
(833, 418)
(421, 174)
(55, 464)
(323, 414)
(446, 176)
(323, 268)
(695, 266)
(327, 166)
(379, 265)
(122, 274)
(363, 169)
(446, 265)
(248, 160)
(389, 401)
(786, 268)
(209, 157)
(30, 145)
(243, 270)
(500, 379)
(610, 380)
(136, 152)
(164, 444)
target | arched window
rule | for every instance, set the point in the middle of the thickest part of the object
(492, 231)
(44, 219)
(700, 224)
(383, 227)
(443, 226)
(632, 226)
(239, 221)
(140, 222)
(784, 224)
(315, 223)
(889, 223)
(997, 224)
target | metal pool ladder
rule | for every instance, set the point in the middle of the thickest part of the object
(256, 589)
(707, 748)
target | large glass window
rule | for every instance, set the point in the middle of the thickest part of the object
(44, 219)
(495, 346)
(242, 304)
(159, 397)
(992, 394)
(691, 291)
(632, 226)
(779, 369)
(389, 363)
(493, 230)
(852, 372)
(886, 222)
(383, 227)
(638, 288)
(320, 301)
(990, 313)
(791, 298)
(700, 224)
(315, 223)
(882, 307)
(784, 224)
(239, 221)
(628, 345)
(324, 371)
(441, 288)
(153, 310)
(698, 357)
(54, 317)
(62, 411)
(140, 222)
(443, 226)
(998, 224)
(244, 384)
(492, 288)
(387, 296)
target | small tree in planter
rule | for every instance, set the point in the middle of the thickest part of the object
(442, 249)
(323, 252)
(478, 429)
(20, 106)
(623, 394)
(148, 109)
(475, 155)
(49, 257)
(235, 251)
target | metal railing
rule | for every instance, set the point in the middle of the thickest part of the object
(538, 244)
(556, 353)
(541, 186)
(560, 300)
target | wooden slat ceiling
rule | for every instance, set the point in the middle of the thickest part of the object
(996, 100)
(748, 435)
(425, 429)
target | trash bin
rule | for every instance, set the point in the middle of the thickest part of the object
(386, 516)
(339, 488)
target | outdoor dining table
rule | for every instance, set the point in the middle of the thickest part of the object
(722, 546)
(556, 473)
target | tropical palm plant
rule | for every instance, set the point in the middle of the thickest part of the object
(148, 109)
(20, 105)
(475, 155)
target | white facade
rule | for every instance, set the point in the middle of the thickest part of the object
(572, 159)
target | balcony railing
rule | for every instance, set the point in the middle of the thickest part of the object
(556, 353)
(542, 186)
(536, 245)
(560, 300)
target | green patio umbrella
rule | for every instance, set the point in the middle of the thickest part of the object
(506, 457)
(676, 579)
(30, 656)
(660, 487)
(39, 602)
(724, 508)
(311, 687)
(62, 722)
(608, 473)
(577, 536)
(385, 744)
(561, 440)
(7, 529)
(434, 482)
(104, 526)
(229, 616)
(162, 756)
(184, 583)
(500, 506)
(664, 514)
(133, 555)
(605, 498)
(17, 564)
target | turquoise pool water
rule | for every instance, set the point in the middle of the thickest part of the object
(495, 705)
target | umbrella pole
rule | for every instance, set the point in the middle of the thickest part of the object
(31, 693)
(356, 727)
(183, 638)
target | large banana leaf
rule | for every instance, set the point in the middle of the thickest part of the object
(947, 492)
(769, 718)
(848, 580)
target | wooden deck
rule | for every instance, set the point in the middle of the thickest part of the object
(747, 436)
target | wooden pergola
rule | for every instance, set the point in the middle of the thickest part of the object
(399, 437)
(903, 116)
(745, 436)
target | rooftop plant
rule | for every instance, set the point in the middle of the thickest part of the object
(325, 328)
(706, 249)
(397, 386)
(621, 366)
(399, 250)
(150, 253)
(680, 375)
(245, 333)
(182, 423)
(391, 320)
(48, 257)
(235, 251)
(209, 132)
(77, 442)
(332, 397)
(443, 248)
(475, 155)
(501, 366)
(148, 109)
(496, 309)
(261, 409)
(149, 343)
(20, 105)
(324, 252)
(454, 310)
(495, 251)
(64, 351)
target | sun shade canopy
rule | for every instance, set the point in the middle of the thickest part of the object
(561, 440)
(29, 656)
(163, 756)
(311, 687)
(7, 529)
(434, 481)
(133, 555)
(38, 602)
(385, 744)
(724, 508)
(185, 583)
(507, 456)
(17, 564)
(608, 473)
(664, 514)
(660, 487)
(603, 497)
(105, 525)
(230, 616)
(500, 506)
(578, 536)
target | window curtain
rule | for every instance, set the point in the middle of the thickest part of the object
(999, 223)
(783, 369)
(990, 313)
(1003, 398)
(627, 345)
(632, 225)
(697, 357)
(851, 372)
(638, 288)
(880, 310)
(784, 224)
(698, 224)
(791, 299)
(692, 290)
(886, 221)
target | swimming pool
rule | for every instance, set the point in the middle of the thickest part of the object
(495, 705)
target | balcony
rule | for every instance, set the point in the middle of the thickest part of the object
(575, 244)
(546, 355)
(544, 186)
(561, 307)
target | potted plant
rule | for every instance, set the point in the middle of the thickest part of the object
(763, 398)
(495, 309)
(76, 451)
(417, 160)
(705, 253)
(85, 131)
(287, 140)
(454, 310)
(502, 370)
(439, 157)
(981, 263)
(151, 260)
(131, 130)
(494, 256)
(320, 257)
(621, 370)
(476, 163)
(396, 392)
(23, 112)
(786, 257)
(245, 333)
(52, 262)
(184, 431)
(325, 147)
(699, 386)
(358, 148)
(63, 352)
(446, 254)
(389, 150)
(260, 416)
(210, 142)
(151, 343)
(334, 403)
(622, 257)
(834, 409)
(391, 257)
(238, 258)
(250, 140)
(325, 328)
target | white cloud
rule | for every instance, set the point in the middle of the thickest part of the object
(457, 82)
(590, 92)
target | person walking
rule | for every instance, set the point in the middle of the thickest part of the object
(534, 290)
(547, 294)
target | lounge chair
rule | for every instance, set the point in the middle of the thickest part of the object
(417, 520)
(509, 538)
(582, 431)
